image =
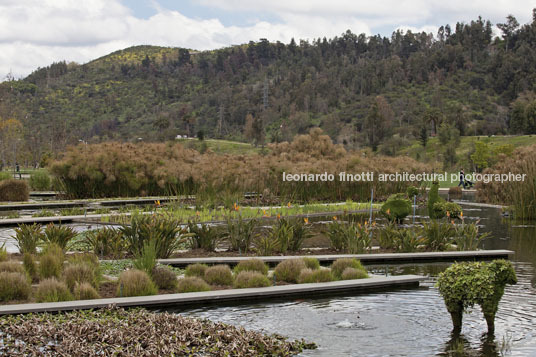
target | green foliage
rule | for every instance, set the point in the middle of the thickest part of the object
(433, 198)
(30, 265)
(266, 244)
(5, 176)
(341, 264)
(85, 291)
(146, 258)
(40, 180)
(396, 208)
(51, 262)
(204, 236)
(162, 229)
(251, 265)
(14, 190)
(52, 290)
(11, 266)
(467, 237)
(407, 240)
(14, 286)
(387, 235)
(311, 263)
(219, 275)
(412, 191)
(78, 273)
(353, 273)
(463, 285)
(135, 282)
(191, 285)
(437, 235)
(58, 234)
(289, 270)
(450, 209)
(308, 276)
(3, 253)
(164, 277)
(240, 233)
(105, 242)
(349, 237)
(282, 233)
(196, 270)
(251, 279)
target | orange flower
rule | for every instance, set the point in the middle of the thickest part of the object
(197, 213)
(278, 216)
(452, 222)
(374, 224)
(236, 207)
(366, 222)
(264, 213)
(306, 220)
(461, 214)
(334, 218)
(388, 211)
(448, 214)
(288, 205)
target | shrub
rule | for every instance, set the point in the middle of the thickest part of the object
(12, 267)
(192, 284)
(387, 235)
(58, 234)
(467, 237)
(396, 208)
(51, 262)
(450, 209)
(40, 181)
(265, 244)
(433, 198)
(5, 175)
(251, 265)
(407, 240)
(340, 264)
(311, 263)
(290, 234)
(437, 235)
(455, 191)
(349, 236)
(196, 270)
(204, 236)
(28, 237)
(146, 259)
(219, 275)
(164, 277)
(14, 190)
(105, 242)
(135, 282)
(80, 273)
(52, 290)
(315, 276)
(412, 191)
(251, 279)
(29, 264)
(353, 273)
(289, 270)
(240, 233)
(85, 291)
(163, 229)
(14, 286)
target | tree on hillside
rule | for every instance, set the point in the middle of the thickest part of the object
(509, 29)
(423, 136)
(434, 117)
(378, 121)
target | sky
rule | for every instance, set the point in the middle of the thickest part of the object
(36, 33)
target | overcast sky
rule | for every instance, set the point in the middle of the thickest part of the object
(35, 33)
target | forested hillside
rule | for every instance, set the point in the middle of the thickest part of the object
(362, 91)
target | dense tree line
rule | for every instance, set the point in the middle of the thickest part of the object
(361, 90)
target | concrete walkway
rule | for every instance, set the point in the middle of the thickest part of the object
(225, 296)
(382, 258)
(476, 204)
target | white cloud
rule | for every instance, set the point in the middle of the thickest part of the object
(36, 33)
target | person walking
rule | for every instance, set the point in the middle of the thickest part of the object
(462, 179)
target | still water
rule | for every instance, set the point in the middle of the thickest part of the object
(411, 322)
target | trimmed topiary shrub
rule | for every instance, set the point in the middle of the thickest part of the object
(219, 275)
(135, 282)
(191, 285)
(311, 263)
(14, 286)
(396, 208)
(463, 285)
(433, 198)
(341, 264)
(289, 270)
(315, 276)
(251, 279)
(40, 181)
(12, 267)
(164, 277)
(353, 273)
(251, 265)
(450, 209)
(85, 291)
(52, 290)
(412, 191)
(196, 270)
(14, 190)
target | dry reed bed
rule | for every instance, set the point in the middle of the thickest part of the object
(126, 169)
(136, 332)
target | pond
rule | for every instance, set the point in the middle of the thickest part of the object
(407, 322)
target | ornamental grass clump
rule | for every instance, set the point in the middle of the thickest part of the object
(308, 276)
(52, 290)
(353, 273)
(14, 286)
(463, 285)
(251, 279)
(51, 262)
(30, 265)
(105, 242)
(79, 273)
(191, 285)
(164, 277)
(14, 190)
(12, 266)
(341, 264)
(196, 270)
(289, 270)
(28, 237)
(251, 265)
(219, 275)
(135, 282)
(240, 233)
(204, 237)
(85, 291)
(40, 181)
(311, 263)
(3, 253)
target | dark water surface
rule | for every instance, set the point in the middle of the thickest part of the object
(411, 322)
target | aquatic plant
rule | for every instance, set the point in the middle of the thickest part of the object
(78, 273)
(145, 259)
(467, 236)
(463, 285)
(408, 240)
(437, 235)
(30, 265)
(11, 266)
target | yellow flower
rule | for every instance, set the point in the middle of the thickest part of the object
(278, 216)
(374, 224)
(197, 213)
(388, 211)
(264, 213)
(334, 218)
(306, 220)
(288, 205)
(359, 225)
(448, 214)
(366, 222)
(461, 215)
